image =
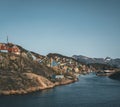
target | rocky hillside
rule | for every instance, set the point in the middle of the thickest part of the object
(28, 71)
(19, 74)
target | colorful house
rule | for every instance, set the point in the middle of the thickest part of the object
(57, 76)
(14, 49)
(3, 46)
(11, 48)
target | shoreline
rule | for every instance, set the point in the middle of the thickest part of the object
(35, 89)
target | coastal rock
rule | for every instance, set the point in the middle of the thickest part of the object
(115, 75)
(24, 83)
(42, 81)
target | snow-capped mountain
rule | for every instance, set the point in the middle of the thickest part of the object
(107, 60)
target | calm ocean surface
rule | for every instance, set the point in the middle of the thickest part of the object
(89, 91)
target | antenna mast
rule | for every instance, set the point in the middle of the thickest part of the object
(7, 38)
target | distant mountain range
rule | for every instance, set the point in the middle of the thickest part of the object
(107, 60)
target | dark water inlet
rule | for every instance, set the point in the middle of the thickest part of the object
(89, 91)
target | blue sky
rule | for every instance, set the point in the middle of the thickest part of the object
(82, 27)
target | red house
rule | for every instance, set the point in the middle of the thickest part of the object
(3, 46)
(11, 48)
(14, 49)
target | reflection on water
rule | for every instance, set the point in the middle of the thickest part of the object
(89, 91)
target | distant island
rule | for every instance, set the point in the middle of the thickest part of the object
(23, 71)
